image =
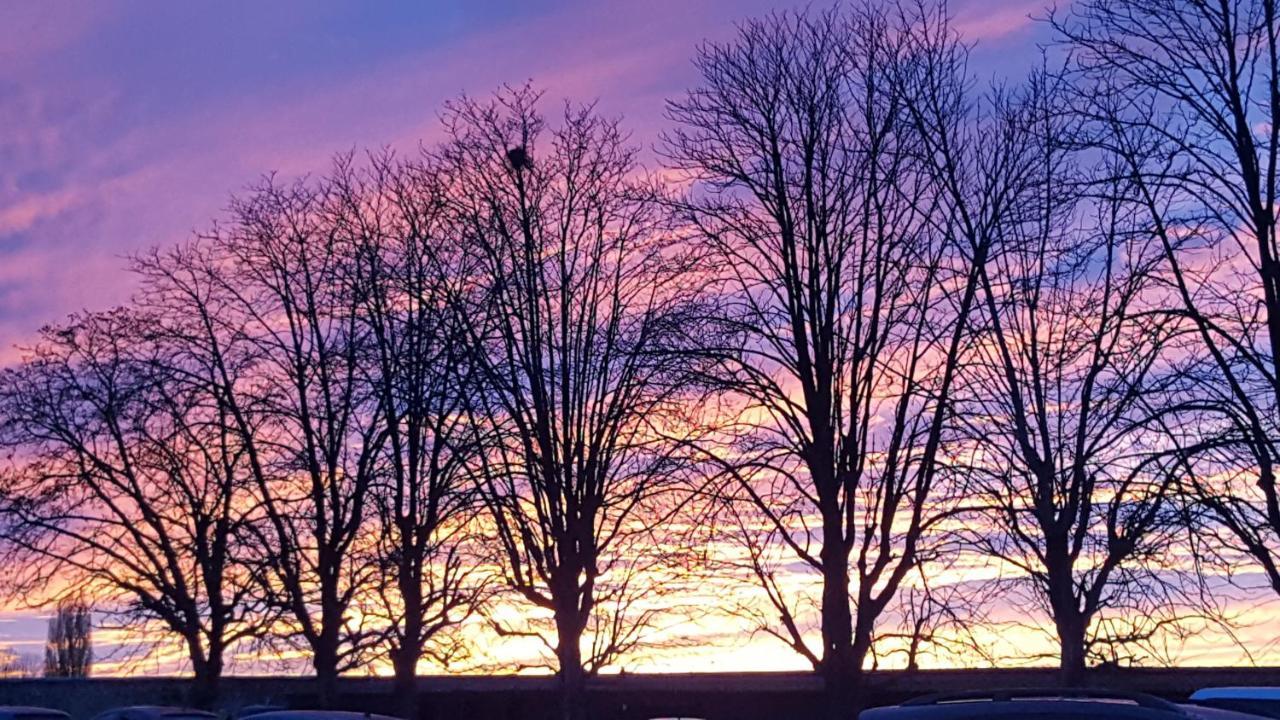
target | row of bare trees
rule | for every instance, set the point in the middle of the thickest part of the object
(874, 326)
(336, 422)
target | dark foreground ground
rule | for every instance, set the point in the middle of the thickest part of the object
(738, 696)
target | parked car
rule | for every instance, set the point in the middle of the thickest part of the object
(1264, 701)
(1201, 712)
(251, 710)
(155, 712)
(1047, 704)
(20, 712)
(319, 715)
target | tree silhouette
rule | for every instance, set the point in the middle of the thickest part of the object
(68, 652)
(849, 204)
(581, 305)
(265, 305)
(1186, 98)
(418, 364)
(123, 486)
(1065, 402)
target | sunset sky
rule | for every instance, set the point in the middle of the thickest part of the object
(125, 125)
(129, 124)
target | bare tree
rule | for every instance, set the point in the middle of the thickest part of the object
(266, 304)
(123, 487)
(581, 306)
(849, 198)
(937, 619)
(406, 269)
(69, 649)
(1067, 397)
(1186, 96)
(16, 665)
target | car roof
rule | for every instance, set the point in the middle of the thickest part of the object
(160, 710)
(257, 709)
(30, 710)
(1237, 693)
(1023, 709)
(1202, 712)
(318, 715)
(1052, 703)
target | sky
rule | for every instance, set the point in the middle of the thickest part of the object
(125, 125)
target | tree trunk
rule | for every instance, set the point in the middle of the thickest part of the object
(1068, 617)
(841, 666)
(840, 687)
(1071, 644)
(405, 660)
(205, 682)
(569, 658)
(850, 699)
(837, 616)
(325, 662)
(406, 681)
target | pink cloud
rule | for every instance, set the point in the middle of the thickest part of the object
(990, 21)
(30, 31)
(27, 211)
